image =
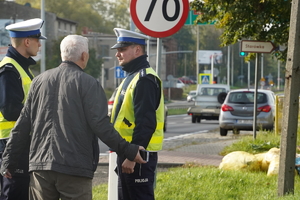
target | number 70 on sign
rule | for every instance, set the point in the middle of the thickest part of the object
(159, 18)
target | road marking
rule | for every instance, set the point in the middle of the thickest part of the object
(184, 135)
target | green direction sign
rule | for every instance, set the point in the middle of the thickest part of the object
(192, 17)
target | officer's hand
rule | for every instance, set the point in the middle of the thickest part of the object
(128, 166)
(7, 174)
(138, 157)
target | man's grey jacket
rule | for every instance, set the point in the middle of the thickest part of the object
(66, 108)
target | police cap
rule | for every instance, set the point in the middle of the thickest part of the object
(28, 28)
(127, 38)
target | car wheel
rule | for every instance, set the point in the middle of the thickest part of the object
(223, 132)
(198, 119)
(194, 119)
(235, 131)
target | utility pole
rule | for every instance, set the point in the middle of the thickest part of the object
(286, 175)
(43, 42)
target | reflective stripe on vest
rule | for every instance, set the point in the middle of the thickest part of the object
(125, 121)
(6, 126)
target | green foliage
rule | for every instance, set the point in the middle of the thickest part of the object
(55, 54)
(261, 20)
(264, 141)
(80, 11)
(185, 42)
(115, 13)
(94, 65)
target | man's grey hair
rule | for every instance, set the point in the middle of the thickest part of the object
(72, 47)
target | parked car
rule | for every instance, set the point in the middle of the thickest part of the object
(191, 96)
(180, 84)
(237, 111)
(186, 80)
(111, 101)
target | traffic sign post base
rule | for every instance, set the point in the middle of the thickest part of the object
(112, 177)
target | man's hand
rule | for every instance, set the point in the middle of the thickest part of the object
(128, 166)
(138, 158)
(7, 174)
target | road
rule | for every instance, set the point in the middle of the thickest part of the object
(178, 126)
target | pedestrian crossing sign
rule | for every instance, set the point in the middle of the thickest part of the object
(204, 78)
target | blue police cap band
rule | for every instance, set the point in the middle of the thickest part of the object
(22, 34)
(130, 39)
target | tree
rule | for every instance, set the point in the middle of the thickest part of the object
(81, 11)
(261, 20)
(94, 65)
(115, 13)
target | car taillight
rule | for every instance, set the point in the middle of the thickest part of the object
(110, 102)
(266, 108)
(226, 108)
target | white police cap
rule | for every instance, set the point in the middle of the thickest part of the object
(127, 38)
(28, 28)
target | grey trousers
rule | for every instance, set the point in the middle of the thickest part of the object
(50, 185)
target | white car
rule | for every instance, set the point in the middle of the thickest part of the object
(180, 84)
(190, 97)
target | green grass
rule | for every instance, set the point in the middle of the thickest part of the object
(211, 183)
(177, 111)
(263, 142)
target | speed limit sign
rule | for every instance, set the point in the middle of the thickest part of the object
(159, 18)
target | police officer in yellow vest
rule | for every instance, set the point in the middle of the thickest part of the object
(138, 113)
(15, 80)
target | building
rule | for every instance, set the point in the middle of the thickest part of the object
(55, 27)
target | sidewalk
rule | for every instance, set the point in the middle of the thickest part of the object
(200, 148)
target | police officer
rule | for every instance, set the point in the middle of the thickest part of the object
(138, 113)
(15, 80)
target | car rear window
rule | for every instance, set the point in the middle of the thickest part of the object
(246, 97)
(211, 91)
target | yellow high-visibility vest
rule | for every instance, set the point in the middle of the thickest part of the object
(6, 126)
(124, 122)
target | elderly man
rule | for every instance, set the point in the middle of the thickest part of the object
(15, 80)
(66, 109)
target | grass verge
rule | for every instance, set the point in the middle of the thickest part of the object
(177, 111)
(209, 183)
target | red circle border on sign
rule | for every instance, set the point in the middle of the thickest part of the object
(185, 13)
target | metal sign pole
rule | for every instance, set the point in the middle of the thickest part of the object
(228, 65)
(158, 56)
(43, 42)
(255, 97)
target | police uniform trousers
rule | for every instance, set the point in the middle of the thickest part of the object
(16, 188)
(140, 184)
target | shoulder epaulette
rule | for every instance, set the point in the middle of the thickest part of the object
(143, 72)
(6, 67)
